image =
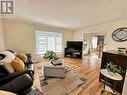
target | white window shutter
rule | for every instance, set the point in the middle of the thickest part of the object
(46, 40)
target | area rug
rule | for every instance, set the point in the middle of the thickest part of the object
(57, 86)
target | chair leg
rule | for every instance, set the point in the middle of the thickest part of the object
(114, 87)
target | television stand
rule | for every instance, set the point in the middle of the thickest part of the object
(73, 53)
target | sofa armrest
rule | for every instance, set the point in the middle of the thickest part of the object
(30, 67)
(18, 84)
(14, 75)
(3, 72)
(29, 60)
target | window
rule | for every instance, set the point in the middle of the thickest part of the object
(48, 41)
(94, 42)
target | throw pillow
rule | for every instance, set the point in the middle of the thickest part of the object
(8, 54)
(2, 56)
(18, 59)
(1, 63)
(6, 93)
(18, 64)
(7, 61)
(22, 56)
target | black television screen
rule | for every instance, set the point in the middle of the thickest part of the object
(76, 45)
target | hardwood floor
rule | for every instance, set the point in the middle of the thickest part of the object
(89, 68)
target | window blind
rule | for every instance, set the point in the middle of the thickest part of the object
(46, 40)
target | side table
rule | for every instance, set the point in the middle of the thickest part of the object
(110, 75)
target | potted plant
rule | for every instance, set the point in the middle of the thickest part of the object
(110, 67)
(50, 55)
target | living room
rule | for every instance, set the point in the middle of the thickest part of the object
(58, 43)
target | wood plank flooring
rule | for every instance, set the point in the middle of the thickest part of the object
(89, 67)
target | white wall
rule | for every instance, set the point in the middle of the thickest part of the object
(2, 47)
(109, 28)
(20, 35)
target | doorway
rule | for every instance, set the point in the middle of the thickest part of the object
(97, 45)
(94, 43)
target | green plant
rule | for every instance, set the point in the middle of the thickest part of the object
(113, 68)
(50, 55)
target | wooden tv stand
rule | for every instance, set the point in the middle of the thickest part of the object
(73, 53)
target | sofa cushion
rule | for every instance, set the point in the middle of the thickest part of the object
(9, 57)
(19, 84)
(22, 56)
(18, 64)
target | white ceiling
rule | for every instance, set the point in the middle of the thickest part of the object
(71, 14)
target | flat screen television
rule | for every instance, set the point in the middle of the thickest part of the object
(76, 45)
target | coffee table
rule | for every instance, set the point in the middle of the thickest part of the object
(54, 71)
